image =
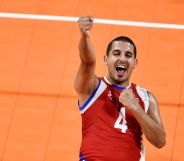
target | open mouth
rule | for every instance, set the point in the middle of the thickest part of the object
(121, 69)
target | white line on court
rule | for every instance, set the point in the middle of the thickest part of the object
(96, 20)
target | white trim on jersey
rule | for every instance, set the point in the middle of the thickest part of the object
(144, 96)
(105, 78)
(97, 92)
(142, 153)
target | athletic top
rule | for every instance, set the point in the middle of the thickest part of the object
(109, 130)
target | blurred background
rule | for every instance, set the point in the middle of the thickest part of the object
(39, 116)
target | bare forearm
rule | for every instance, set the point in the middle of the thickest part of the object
(152, 130)
(86, 49)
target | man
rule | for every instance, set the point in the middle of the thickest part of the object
(115, 112)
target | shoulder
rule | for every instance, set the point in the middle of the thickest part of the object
(146, 93)
(151, 96)
(150, 101)
(153, 109)
(154, 106)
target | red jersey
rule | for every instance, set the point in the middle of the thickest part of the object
(109, 130)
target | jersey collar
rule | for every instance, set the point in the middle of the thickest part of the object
(116, 86)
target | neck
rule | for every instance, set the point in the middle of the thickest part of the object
(124, 84)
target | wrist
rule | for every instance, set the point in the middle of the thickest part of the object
(136, 109)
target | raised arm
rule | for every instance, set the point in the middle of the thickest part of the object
(86, 80)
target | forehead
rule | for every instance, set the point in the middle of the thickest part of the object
(123, 46)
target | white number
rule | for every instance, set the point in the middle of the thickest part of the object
(121, 122)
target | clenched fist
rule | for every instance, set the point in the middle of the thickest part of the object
(128, 99)
(85, 24)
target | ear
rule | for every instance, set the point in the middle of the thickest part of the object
(105, 59)
(135, 63)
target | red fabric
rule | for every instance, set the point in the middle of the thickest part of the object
(101, 141)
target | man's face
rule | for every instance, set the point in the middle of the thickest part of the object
(120, 62)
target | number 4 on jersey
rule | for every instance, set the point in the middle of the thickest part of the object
(121, 122)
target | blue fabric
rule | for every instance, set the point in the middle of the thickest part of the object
(92, 95)
(82, 157)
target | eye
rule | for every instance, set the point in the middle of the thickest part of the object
(116, 52)
(128, 54)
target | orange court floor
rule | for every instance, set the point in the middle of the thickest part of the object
(39, 116)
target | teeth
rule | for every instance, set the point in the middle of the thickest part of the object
(121, 66)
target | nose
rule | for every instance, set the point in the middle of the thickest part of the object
(123, 57)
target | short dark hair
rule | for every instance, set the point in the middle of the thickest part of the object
(124, 39)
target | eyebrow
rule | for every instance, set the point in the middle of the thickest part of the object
(116, 50)
(127, 51)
